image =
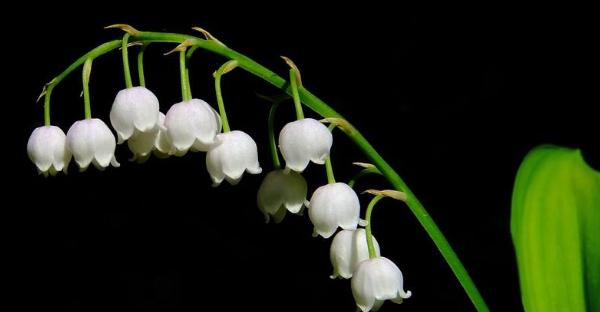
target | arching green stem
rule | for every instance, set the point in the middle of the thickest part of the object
(272, 142)
(370, 245)
(186, 95)
(140, 65)
(94, 53)
(125, 54)
(325, 110)
(85, 77)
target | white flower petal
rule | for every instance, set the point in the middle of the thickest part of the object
(377, 305)
(340, 254)
(218, 119)
(104, 140)
(304, 140)
(234, 153)
(39, 149)
(47, 149)
(334, 205)
(279, 215)
(114, 162)
(162, 145)
(192, 124)
(141, 144)
(375, 280)
(282, 189)
(134, 110)
(80, 144)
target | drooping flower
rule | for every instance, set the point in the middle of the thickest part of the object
(135, 110)
(47, 149)
(233, 153)
(375, 281)
(142, 144)
(333, 205)
(348, 250)
(192, 125)
(304, 140)
(91, 141)
(281, 191)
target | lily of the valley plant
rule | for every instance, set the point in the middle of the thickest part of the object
(194, 125)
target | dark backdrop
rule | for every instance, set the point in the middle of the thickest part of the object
(453, 99)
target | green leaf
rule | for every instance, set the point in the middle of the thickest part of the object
(555, 226)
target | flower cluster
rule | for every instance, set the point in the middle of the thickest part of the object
(332, 206)
(188, 126)
(193, 125)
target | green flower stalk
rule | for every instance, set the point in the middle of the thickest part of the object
(555, 226)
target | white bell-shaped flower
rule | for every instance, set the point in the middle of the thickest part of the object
(348, 249)
(233, 153)
(91, 141)
(304, 140)
(135, 110)
(142, 144)
(333, 205)
(281, 191)
(192, 125)
(375, 281)
(47, 149)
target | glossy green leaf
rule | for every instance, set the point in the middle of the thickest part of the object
(555, 226)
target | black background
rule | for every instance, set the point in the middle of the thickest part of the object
(453, 99)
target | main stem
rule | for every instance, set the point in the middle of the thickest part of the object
(321, 108)
(370, 245)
